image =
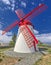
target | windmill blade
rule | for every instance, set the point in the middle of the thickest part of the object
(29, 36)
(20, 13)
(35, 11)
(10, 27)
(36, 41)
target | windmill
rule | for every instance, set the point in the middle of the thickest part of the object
(26, 41)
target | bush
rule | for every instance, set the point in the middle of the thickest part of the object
(12, 43)
(19, 59)
(1, 59)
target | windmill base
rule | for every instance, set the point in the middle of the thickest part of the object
(25, 49)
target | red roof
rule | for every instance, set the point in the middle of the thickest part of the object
(25, 22)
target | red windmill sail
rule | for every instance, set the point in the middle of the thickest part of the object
(28, 15)
(28, 38)
(10, 27)
(23, 17)
(20, 13)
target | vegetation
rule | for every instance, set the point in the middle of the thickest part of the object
(45, 47)
(12, 43)
(45, 59)
(3, 49)
(1, 59)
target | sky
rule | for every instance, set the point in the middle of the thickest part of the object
(41, 22)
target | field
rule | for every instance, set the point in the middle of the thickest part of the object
(46, 59)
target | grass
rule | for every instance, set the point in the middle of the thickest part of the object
(4, 49)
(45, 60)
(45, 47)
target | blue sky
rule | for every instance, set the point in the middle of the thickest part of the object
(42, 22)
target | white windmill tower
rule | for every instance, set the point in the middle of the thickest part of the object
(26, 42)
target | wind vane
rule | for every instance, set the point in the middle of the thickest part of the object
(26, 41)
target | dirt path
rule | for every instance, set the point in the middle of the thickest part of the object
(5, 60)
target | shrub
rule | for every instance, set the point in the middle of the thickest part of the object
(1, 59)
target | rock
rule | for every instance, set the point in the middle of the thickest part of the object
(26, 58)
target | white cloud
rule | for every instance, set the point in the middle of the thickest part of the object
(6, 2)
(1, 25)
(39, 4)
(45, 38)
(36, 32)
(9, 33)
(13, 6)
(33, 3)
(11, 3)
(23, 4)
(5, 38)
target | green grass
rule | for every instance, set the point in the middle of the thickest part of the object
(49, 50)
(46, 47)
(4, 49)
